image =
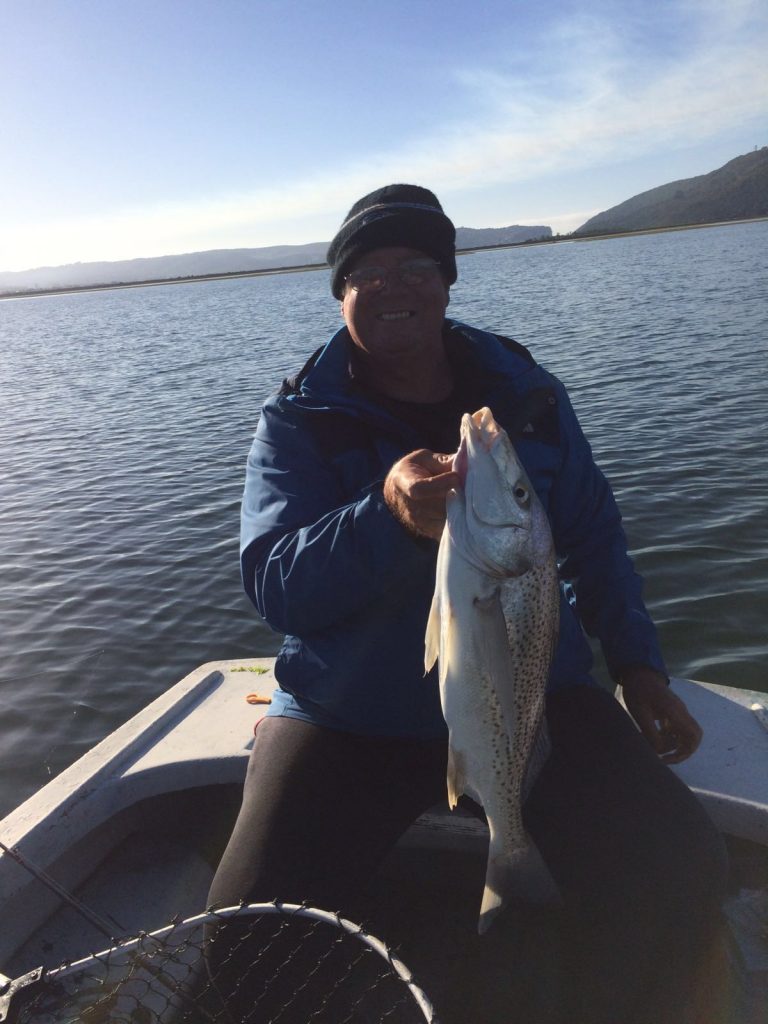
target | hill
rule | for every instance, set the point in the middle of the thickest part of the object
(193, 264)
(736, 191)
(483, 238)
(221, 261)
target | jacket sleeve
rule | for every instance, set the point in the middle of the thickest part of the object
(592, 546)
(311, 553)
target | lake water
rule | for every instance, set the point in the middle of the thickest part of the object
(126, 417)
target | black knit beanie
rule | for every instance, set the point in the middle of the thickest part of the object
(396, 215)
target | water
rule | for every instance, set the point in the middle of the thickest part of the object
(126, 417)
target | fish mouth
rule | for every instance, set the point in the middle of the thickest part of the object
(507, 509)
(480, 429)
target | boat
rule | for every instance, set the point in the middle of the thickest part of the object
(113, 847)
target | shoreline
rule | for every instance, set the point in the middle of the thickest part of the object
(305, 267)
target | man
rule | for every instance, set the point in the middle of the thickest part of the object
(344, 503)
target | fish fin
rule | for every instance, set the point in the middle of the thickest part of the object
(456, 776)
(434, 622)
(541, 748)
(519, 877)
(432, 638)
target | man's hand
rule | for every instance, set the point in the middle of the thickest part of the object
(661, 716)
(415, 491)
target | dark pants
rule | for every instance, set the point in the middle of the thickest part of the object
(641, 868)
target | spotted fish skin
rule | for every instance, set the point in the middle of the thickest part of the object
(492, 629)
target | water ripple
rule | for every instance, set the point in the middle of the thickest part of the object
(126, 417)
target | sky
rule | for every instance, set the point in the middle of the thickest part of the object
(133, 128)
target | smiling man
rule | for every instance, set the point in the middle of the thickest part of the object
(394, 306)
(344, 504)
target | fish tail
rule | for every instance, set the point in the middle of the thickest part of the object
(520, 876)
(498, 884)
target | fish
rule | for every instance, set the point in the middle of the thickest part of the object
(492, 629)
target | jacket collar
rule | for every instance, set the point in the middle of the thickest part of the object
(329, 377)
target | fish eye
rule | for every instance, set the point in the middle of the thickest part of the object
(520, 493)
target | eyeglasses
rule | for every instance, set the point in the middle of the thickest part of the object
(411, 273)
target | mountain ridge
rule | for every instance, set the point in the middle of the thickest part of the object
(736, 191)
(212, 262)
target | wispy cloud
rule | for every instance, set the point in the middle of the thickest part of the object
(595, 93)
(601, 105)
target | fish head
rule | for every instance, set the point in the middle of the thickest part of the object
(503, 521)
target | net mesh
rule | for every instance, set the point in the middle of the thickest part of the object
(260, 963)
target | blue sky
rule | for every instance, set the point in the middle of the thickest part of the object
(146, 127)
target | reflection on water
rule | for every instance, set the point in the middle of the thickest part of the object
(126, 416)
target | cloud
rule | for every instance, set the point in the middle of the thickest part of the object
(602, 104)
(593, 92)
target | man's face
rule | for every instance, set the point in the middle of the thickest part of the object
(400, 319)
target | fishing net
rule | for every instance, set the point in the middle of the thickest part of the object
(253, 964)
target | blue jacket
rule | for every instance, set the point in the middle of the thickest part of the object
(326, 563)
